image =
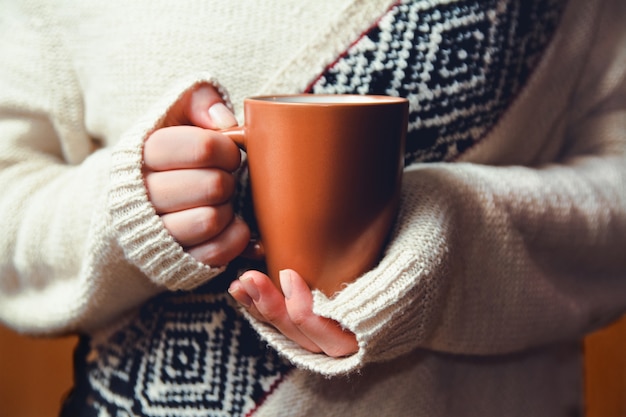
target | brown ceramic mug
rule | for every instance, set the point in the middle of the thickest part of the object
(325, 174)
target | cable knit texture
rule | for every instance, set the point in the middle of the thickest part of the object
(508, 247)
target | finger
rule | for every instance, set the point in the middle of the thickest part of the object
(224, 247)
(270, 304)
(171, 191)
(200, 224)
(236, 290)
(193, 109)
(180, 147)
(240, 295)
(208, 110)
(324, 332)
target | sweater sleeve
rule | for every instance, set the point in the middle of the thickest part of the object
(81, 244)
(488, 259)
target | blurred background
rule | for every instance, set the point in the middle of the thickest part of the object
(605, 368)
(35, 374)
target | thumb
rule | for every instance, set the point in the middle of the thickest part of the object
(203, 107)
(206, 109)
(220, 117)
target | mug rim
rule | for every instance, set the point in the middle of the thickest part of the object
(310, 99)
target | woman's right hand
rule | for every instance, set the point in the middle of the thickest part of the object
(188, 169)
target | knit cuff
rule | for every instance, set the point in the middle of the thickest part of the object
(390, 308)
(374, 308)
(141, 233)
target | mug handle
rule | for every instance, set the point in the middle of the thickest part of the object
(254, 250)
(237, 134)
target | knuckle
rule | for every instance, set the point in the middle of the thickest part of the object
(220, 187)
(205, 150)
(299, 318)
(273, 316)
(225, 246)
(214, 255)
(207, 222)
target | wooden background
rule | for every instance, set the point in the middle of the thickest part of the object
(605, 368)
(35, 374)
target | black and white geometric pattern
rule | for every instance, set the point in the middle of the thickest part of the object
(189, 351)
(460, 63)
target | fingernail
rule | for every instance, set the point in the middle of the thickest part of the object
(221, 116)
(240, 295)
(250, 287)
(285, 282)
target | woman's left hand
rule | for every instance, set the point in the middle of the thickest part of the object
(291, 312)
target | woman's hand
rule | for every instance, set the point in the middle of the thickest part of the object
(291, 312)
(188, 174)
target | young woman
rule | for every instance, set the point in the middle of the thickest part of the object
(124, 210)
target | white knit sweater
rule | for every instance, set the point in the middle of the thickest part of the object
(498, 262)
